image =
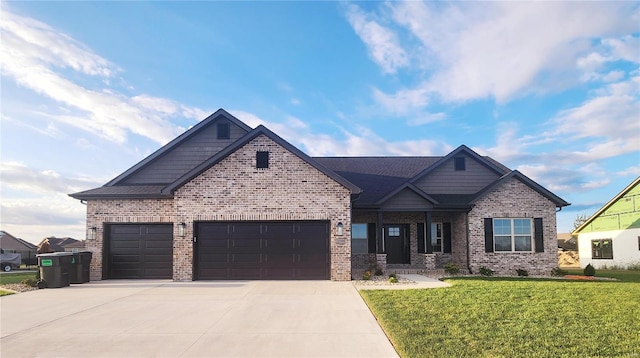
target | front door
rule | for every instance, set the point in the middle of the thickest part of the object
(396, 241)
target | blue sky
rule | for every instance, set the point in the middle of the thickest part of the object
(91, 88)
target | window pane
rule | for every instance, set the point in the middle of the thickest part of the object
(523, 243)
(503, 243)
(607, 249)
(501, 226)
(359, 246)
(522, 226)
(394, 231)
(359, 231)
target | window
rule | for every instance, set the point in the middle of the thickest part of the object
(512, 235)
(459, 163)
(359, 243)
(602, 249)
(262, 160)
(224, 131)
(393, 231)
(436, 237)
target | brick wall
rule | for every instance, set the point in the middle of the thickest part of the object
(121, 211)
(290, 189)
(513, 199)
(234, 190)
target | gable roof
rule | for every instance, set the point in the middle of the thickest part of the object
(559, 202)
(260, 130)
(217, 115)
(5, 237)
(606, 206)
(58, 244)
(463, 149)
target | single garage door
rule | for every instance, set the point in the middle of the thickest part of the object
(262, 250)
(140, 251)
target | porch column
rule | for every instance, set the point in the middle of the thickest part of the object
(380, 233)
(427, 223)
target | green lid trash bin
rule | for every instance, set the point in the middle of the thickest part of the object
(81, 267)
(54, 269)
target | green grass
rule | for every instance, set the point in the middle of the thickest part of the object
(622, 275)
(7, 278)
(496, 317)
(5, 292)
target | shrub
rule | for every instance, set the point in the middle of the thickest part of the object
(29, 282)
(366, 275)
(558, 272)
(589, 270)
(451, 268)
(393, 279)
(485, 271)
(522, 272)
(378, 271)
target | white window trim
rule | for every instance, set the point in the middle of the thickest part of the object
(513, 236)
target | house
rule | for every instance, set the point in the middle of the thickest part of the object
(13, 245)
(60, 244)
(225, 201)
(611, 236)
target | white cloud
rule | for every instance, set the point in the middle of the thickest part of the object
(32, 52)
(503, 50)
(18, 176)
(635, 170)
(382, 43)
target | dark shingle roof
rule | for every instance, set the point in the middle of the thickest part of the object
(376, 176)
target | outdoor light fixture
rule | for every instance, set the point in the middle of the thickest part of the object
(91, 233)
(340, 229)
(181, 229)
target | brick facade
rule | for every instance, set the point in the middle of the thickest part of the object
(513, 199)
(234, 190)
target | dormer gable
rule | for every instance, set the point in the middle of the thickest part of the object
(462, 171)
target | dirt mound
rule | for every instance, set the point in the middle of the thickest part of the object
(568, 259)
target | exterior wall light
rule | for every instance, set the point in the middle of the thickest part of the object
(339, 227)
(181, 229)
(91, 233)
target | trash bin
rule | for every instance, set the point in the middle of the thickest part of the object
(54, 269)
(81, 267)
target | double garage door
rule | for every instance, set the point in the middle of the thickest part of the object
(261, 250)
(223, 250)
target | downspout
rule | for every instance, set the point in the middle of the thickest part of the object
(466, 219)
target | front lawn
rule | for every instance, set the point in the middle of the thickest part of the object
(622, 275)
(16, 277)
(502, 317)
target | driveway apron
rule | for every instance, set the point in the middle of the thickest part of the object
(129, 318)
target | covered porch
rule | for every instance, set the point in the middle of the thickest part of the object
(408, 241)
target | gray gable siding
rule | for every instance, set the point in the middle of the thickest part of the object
(180, 160)
(446, 180)
(406, 199)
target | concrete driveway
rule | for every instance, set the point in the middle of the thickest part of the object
(118, 318)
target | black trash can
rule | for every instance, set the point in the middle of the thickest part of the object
(54, 269)
(81, 267)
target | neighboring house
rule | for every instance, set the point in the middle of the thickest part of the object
(76, 246)
(611, 236)
(566, 242)
(13, 245)
(60, 244)
(225, 201)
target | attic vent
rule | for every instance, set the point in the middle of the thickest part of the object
(459, 163)
(262, 160)
(224, 131)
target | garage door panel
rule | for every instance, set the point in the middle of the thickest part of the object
(140, 251)
(262, 250)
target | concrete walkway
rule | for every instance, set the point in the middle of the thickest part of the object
(118, 318)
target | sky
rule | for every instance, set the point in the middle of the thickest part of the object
(88, 89)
